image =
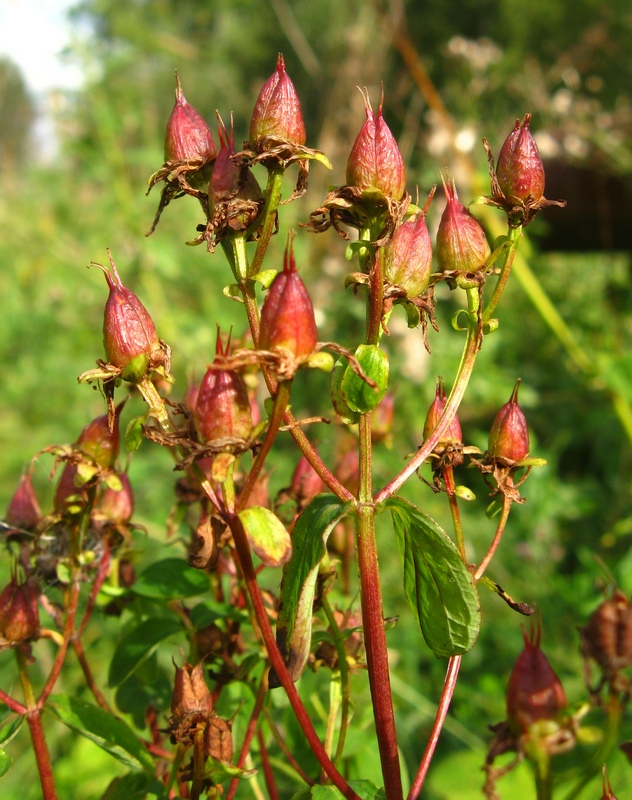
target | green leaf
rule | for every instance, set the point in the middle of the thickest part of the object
(10, 728)
(438, 585)
(357, 393)
(267, 535)
(364, 789)
(104, 729)
(309, 539)
(138, 644)
(5, 762)
(135, 786)
(171, 579)
(134, 433)
(265, 277)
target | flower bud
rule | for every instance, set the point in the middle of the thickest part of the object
(23, 512)
(461, 242)
(534, 691)
(306, 483)
(19, 616)
(222, 410)
(520, 171)
(509, 435)
(453, 434)
(287, 316)
(188, 137)
(375, 161)
(277, 111)
(129, 335)
(408, 256)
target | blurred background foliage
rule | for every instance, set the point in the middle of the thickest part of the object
(453, 71)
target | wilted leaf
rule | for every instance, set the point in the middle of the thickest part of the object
(267, 535)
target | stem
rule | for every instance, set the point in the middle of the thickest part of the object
(287, 753)
(250, 732)
(444, 704)
(514, 238)
(34, 720)
(267, 769)
(281, 401)
(468, 359)
(87, 673)
(448, 479)
(273, 198)
(14, 705)
(500, 528)
(244, 558)
(69, 629)
(373, 622)
(343, 668)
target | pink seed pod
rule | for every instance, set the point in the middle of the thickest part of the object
(408, 256)
(188, 137)
(453, 435)
(520, 171)
(19, 616)
(509, 435)
(277, 111)
(461, 242)
(375, 161)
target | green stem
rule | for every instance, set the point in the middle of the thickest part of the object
(468, 359)
(343, 668)
(273, 198)
(448, 479)
(514, 238)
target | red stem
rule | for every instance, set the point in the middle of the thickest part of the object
(102, 573)
(14, 705)
(69, 627)
(42, 755)
(496, 540)
(444, 704)
(267, 769)
(245, 562)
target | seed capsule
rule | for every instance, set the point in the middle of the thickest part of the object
(509, 435)
(277, 111)
(520, 171)
(408, 256)
(19, 616)
(188, 137)
(461, 242)
(375, 161)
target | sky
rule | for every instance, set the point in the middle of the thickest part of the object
(32, 34)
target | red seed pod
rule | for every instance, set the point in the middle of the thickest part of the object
(453, 434)
(232, 184)
(99, 441)
(188, 137)
(222, 410)
(509, 435)
(375, 161)
(534, 691)
(461, 242)
(277, 111)
(287, 316)
(129, 334)
(19, 616)
(607, 637)
(520, 171)
(117, 506)
(24, 510)
(408, 256)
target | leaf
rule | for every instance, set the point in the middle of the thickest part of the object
(134, 433)
(364, 789)
(357, 393)
(171, 579)
(138, 644)
(104, 729)
(5, 762)
(438, 585)
(309, 539)
(10, 728)
(346, 414)
(135, 786)
(267, 535)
